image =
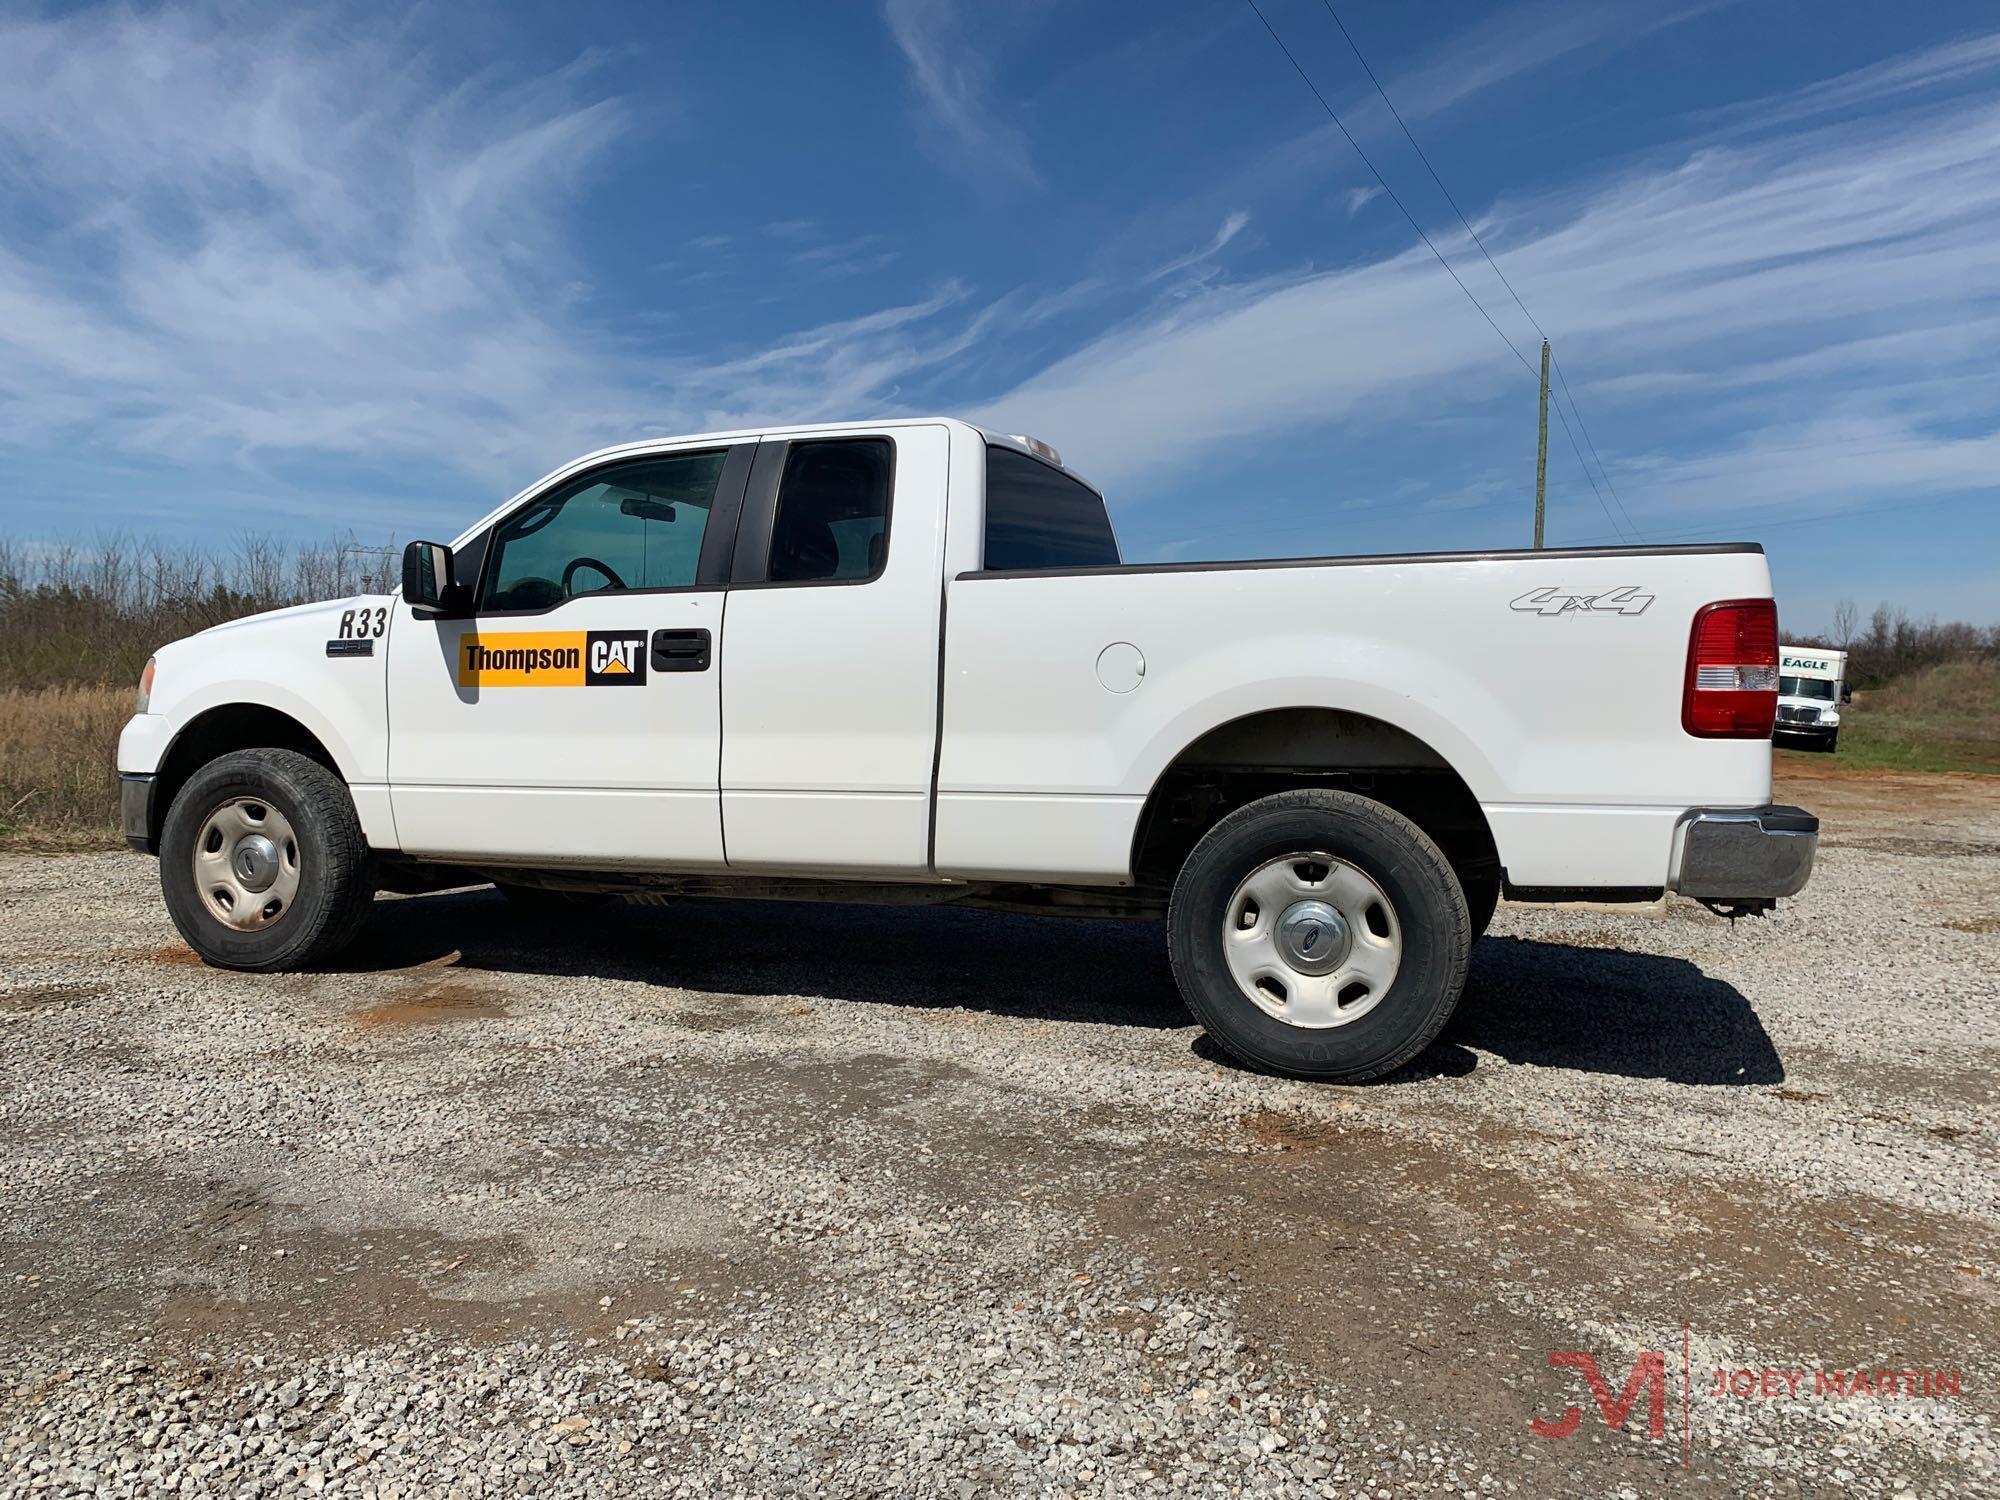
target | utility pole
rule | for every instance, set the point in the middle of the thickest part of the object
(1542, 451)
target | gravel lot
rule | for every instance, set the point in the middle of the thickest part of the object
(772, 1200)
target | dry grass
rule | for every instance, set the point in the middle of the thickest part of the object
(76, 625)
(1945, 718)
(58, 784)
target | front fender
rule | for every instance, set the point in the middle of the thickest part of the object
(280, 662)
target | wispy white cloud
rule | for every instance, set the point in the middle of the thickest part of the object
(1518, 40)
(949, 71)
(229, 244)
(1966, 60)
(832, 260)
(1359, 198)
(1809, 242)
(1230, 227)
(226, 240)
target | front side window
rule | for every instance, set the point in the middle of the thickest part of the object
(635, 525)
(832, 521)
(1039, 517)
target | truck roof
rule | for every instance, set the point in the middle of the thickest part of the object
(820, 429)
(1042, 452)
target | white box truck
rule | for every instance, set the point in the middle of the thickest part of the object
(1812, 684)
(903, 662)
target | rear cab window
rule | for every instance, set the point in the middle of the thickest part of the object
(832, 520)
(1039, 517)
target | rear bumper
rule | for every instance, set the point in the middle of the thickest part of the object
(135, 810)
(1744, 854)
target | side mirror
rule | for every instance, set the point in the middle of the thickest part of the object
(1846, 693)
(428, 580)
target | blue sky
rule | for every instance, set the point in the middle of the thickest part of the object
(371, 269)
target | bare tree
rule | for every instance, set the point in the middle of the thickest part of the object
(1845, 617)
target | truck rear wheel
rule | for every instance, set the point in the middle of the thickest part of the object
(263, 862)
(1320, 935)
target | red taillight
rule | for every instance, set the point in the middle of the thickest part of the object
(1732, 672)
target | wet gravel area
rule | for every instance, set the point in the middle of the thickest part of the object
(771, 1200)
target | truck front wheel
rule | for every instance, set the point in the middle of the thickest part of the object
(1320, 935)
(263, 862)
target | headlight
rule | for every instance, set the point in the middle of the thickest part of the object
(146, 685)
(1829, 716)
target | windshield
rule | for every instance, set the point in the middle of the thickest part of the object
(1806, 687)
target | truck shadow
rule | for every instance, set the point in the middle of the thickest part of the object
(1031, 968)
(1550, 1005)
(1612, 1011)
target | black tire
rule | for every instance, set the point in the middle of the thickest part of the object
(1409, 870)
(1831, 741)
(1482, 896)
(336, 873)
(537, 901)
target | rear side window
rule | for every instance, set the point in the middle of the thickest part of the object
(1039, 517)
(832, 523)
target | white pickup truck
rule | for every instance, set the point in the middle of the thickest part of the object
(901, 661)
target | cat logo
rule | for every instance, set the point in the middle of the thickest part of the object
(615, 658)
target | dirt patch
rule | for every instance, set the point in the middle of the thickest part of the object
(1924, 848)
(1837, 792)
(43, 996)
(434, 1005)
(174, 956)
(1278, 1130)
(713, 1020)
(1983, 926)
(367, 1284)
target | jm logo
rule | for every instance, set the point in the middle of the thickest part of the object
(1626, 600)
(1648, 1377)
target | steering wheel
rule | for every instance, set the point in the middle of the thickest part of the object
(569, 573)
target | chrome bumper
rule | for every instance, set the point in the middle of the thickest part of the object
(1754, 854)
(135, 810)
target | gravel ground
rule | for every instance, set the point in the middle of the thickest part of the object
(776, 1200)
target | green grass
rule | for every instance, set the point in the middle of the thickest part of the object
(1946, 718)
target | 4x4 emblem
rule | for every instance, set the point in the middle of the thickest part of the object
(1626, 600)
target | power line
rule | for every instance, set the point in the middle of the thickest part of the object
(1628, 526)
(1587, 438)
(1397, 114)
(1383, 182)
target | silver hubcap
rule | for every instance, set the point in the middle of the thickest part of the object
(246, 864)
(1312, 940)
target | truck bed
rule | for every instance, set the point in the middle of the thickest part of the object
(1549, 682)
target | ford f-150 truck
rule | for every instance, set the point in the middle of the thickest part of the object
(901, 661)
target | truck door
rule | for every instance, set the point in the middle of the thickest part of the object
(830, 687)
(575, 716)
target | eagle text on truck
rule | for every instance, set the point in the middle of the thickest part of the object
(902, 661)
